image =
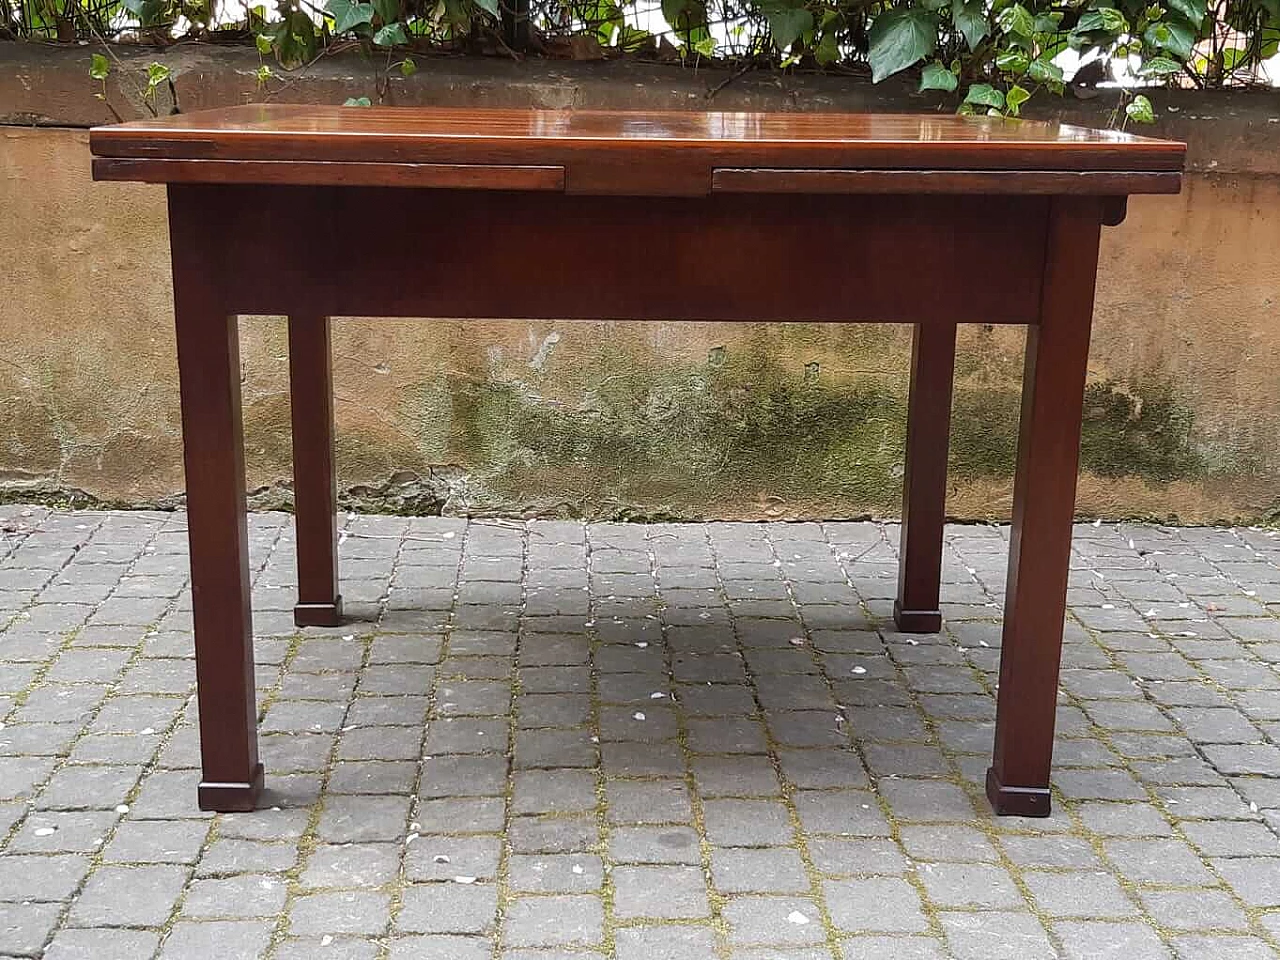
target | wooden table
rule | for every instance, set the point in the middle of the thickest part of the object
(313, 212)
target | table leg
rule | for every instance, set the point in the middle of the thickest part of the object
(1043, 510)
(213, 455)
(315, 487)
(924, 484)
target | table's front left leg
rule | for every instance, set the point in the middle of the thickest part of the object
(1043, 510)
(924, 482)
(213, 455)
(315, 488)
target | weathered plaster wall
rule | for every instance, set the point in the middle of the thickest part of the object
(633, 419)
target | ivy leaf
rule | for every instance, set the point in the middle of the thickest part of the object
(408, 67)
(1045, 71)
(828, 50)
(935, 76)
(971, 20)
(358, 102)
(1012, 61)
(390, 35)
(1015, 98)
(787, 24)
(263, 42)
(347, 15)
(488, 6)
(387, 10)
(1159, 67)
(157, 73)
(1139, 110)
(1106, 19)
(985, 95)
(1173, 35)
(1193, 10)
(1016, 20)
(899, 39)
(99, 67)
(1048, 22)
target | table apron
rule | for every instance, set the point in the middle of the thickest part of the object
(393, 252)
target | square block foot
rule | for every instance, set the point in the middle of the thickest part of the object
(318, 614)
(232, 797)
(1016, 801)
(916, 621)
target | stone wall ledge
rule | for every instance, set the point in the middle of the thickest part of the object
(43, 84)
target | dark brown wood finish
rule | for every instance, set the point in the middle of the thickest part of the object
(1043, 508)
(327, 173)
(756, 218)
(1049, 182)
(737, 258)
(924, 483)
(641, 153)
(213, 454)
(315, 484)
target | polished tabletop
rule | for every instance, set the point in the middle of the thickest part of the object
(850, 141)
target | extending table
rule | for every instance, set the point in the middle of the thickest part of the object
(313, 211)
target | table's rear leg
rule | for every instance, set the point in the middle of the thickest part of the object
(1043, 510)
(213, 455)
(924, 484)
(314, 482)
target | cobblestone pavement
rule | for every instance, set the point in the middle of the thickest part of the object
(547, 741)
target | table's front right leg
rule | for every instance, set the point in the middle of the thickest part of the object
(213, 455)
(1043, 510)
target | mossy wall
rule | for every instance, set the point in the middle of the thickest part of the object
(653, 420)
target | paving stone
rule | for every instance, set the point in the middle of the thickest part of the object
(996, 935)
(450, 908)
(79, 787)
(233, 939)
(364, 819)
(665, 801)
(1157, 861)
(772, 870)
(666, 892)
(352, 865)
(346, 911)
(969, 885)
(1193, 910)
(1237, 948)
(845, 812)
(142, 896)
(158, 841)
(1084, 940)
(71, 944)
(443, 858)
(554, 873)
(1093, 895)
(899, 948)
(59, 832)
(876, 905)
(946, 842)
(24, 927)
(1255, 880)
(554, 921)
(558, 834)
(665, 943)
(440, 948)
(41, 878)
(773, 920)
(654, 845)
(230, 856)
(334, 948)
